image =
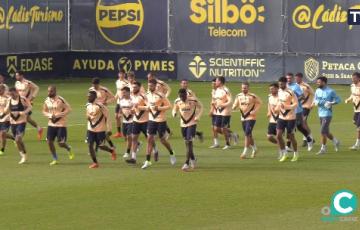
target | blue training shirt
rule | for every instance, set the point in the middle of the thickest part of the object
(299, 93)
(325, 95)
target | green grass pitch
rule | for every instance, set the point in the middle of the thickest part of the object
(223, 193)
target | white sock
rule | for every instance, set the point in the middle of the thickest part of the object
(253, 147)
(133, 155)
(245, 151)
(323, 147)
(296, 154)
(335, 141)
(357, 142)
(304, 138)
(283, 152)
(216, 141)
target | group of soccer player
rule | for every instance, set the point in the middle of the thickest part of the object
(144, 111)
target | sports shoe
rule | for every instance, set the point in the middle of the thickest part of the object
(288, 149)
(131, 161)
(71, 154)
(337, 146)
(236, 138)
(283, 158)
(146, 164)
(54, 162)
(1, 153)
(193, 163)
(185, 168)
(354, 147)
(226, 147)
(295, 158)
(253, 153)
(118, 135)
(22, 160)
(280, 155)
(243, 156)
(214, 146)
(172, 159)
(322, 151)
(40, 133)
(113, 154)
(310, 145)
(93, 166)
(126, 155)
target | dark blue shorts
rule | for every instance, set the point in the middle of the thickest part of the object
(127, 128)
(357, 119)
(213, 119)
(272, 129)
(288, 125)
(4, 126)
(154, 128)
(248, 127)
(18, 129)
(306, 113)
(96, 137)
(222, 121)
(138, 128)
(188, 133)
(299, 119)
(325, 125)
(56, 132)
(117, 108)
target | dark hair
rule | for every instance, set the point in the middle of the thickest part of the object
(221, 79)
(356, 74)
(290, 74)
(12, 89)
(322, 78)
(282, 79)
(213, 80)
(126, 89)
(182, 91)
(274, 84)
(95, 81)
(245, 83)
(185, 80)
(137, 83)
(93, 93)
(152, 74)
(19, 72)
(131, 73)
(299, 75)
(122, 71)
(152, 81)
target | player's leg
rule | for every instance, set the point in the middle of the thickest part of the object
(91, 138)
(280, 128)
(215, 130)
(330, 136)
(18, 131)
(127, 134)
(271, 133)
(290, 129)
(301, 127)
(225, 127)
(50, 138)
(151, 132)
(135, 132)
(35, 125)
(62, 141)
(162, 126)
(4, 128)
(356, 146)
(118, 121)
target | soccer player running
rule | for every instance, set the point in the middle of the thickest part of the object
(29, 90)
(18, 107)
(325, 98)
(120, 83)
(248, 104)
(4, 118)
(190, 110)
(157, 105)
(126, 110)
(306, 102)
(184, 84)
(2, 82)
(132, 80)
(299, 110)
(355, 99)
(98, 124)
(272, 113)
(287, 105)
(104, 97)
(56, 109)
(222, 105)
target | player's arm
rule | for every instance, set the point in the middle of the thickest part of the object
(27, 104)
(66, 111)
(166, 105)
(228, 101)
(200, 111)
(110, 98)
(258, 104)
(167, 89)
(335, 99)
(34, 90)
(318, 100)
(294, 103)
(268, 114)
(236, 104)
(45, 111)
(175, 109)
(105, 112)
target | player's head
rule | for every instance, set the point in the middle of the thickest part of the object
(95, 82)
(136, 87)
(356, 77)
(321, 82)
(126, 92)
(13, 93)
(290, 77)
(282, 82)
(220, 81)
(19, 75)
(92, 96)
(152, 85)
(184, 83)
(122, 74)
(299, 78)
(245, 87)
(274, 88)
(213, 83)
(2, 89)
(151, 76)
(131, 76)
(182, 94)
(52, 91)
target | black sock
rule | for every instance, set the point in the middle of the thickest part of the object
(288, 144)
(2, 149)
(110, 143)
(171, 152)
(308, 139)
(168, 130)
(119, 129)
(127, 150)
(187, 161)
(148, 157)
